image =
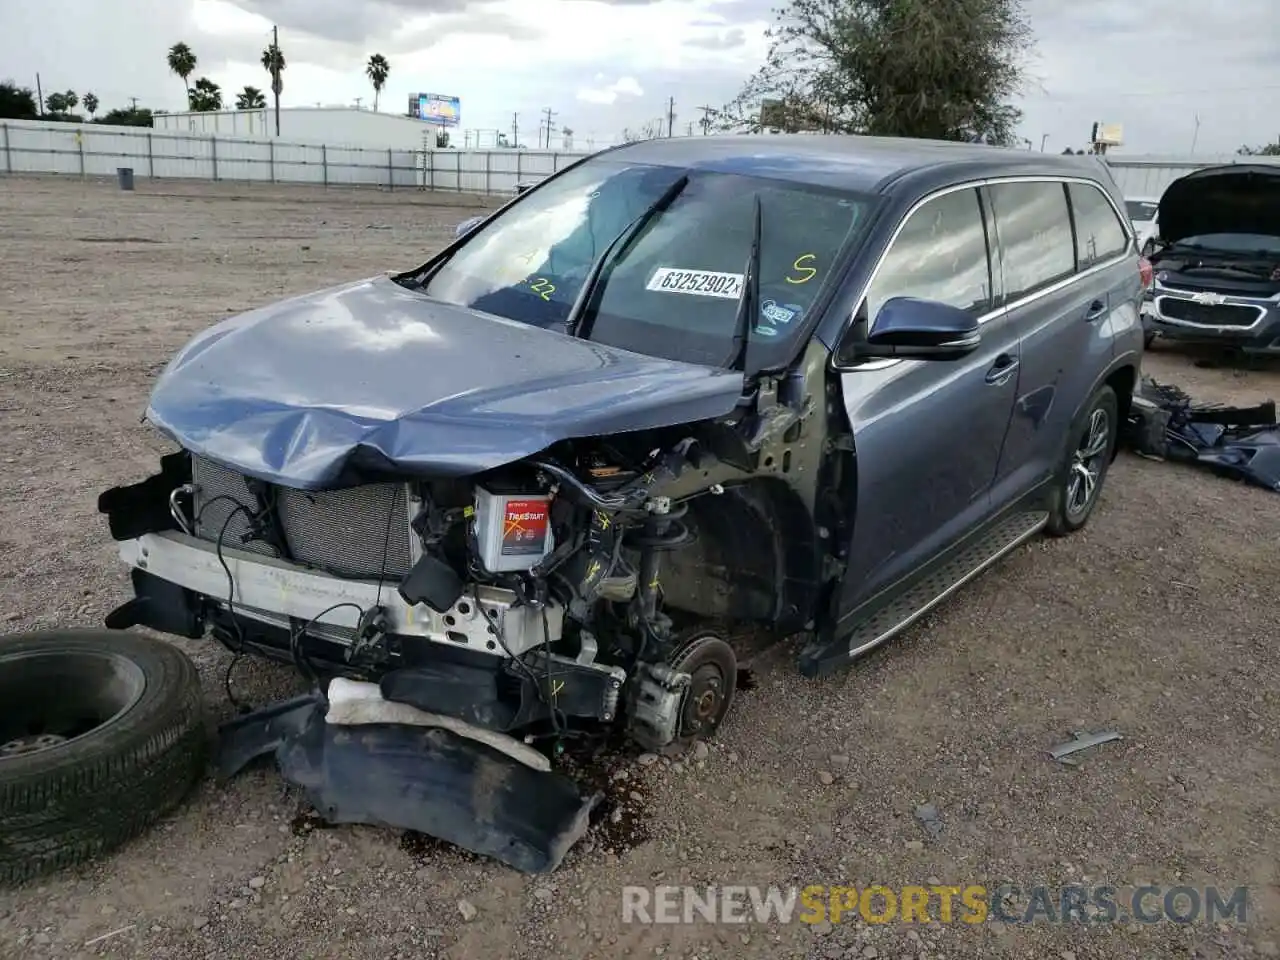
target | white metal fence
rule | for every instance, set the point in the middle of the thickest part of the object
(97, 150)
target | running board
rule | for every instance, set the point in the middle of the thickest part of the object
(895, 609)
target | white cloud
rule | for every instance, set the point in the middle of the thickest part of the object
(624, 86)
(511, 60)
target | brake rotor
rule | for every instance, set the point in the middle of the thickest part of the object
(713, 669)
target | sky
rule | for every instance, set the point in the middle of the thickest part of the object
(1185, 76)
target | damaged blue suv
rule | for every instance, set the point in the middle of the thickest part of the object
(681, 398)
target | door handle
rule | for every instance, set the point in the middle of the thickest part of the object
(1003, 368)
(1097, 310)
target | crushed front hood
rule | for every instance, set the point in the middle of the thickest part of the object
(1237, 198)
(368, 378)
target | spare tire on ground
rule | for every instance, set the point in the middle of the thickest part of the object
(101, 733)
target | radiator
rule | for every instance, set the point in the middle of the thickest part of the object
(360, 532)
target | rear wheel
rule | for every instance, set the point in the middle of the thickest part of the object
(1080, 481)
(101, 733)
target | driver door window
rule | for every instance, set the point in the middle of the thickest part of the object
(940, 254)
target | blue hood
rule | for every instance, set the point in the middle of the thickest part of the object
(368, 378)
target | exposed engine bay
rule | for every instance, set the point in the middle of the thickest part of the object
(1258, 274)
(591, 584)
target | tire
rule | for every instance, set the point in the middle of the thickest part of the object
(1066, 512)
(114, 740)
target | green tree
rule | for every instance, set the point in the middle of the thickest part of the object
(250, 98)
(205, 96)
(71, 99)
(1267, 150)
(90, 102)
(377, 70)
(17, 103)
(57, 103)
(273, 63)
(182, 62)
(128, 117)
(940, 69)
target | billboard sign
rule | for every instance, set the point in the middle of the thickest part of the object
(435, 108)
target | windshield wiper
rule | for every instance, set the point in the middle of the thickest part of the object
(749, 300)
(574, 320)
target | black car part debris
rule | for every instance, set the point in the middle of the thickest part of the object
(1238, 442)
(101, 734)
(432, 774)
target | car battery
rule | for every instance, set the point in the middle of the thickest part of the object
(513, 530)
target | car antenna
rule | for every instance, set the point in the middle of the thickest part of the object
(573, 321)
(749, 301)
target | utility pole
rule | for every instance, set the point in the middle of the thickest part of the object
(1043, 140)
(275, 72)
(1195, 136)
(689, 129)
(515, 130)
(40, 96)
(706, 118)
(671, 116)
(550, 114)
(134, 102)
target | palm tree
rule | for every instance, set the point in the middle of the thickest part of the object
(377, 70)
(90, 102)
(250, 98)
(273, 63)
(182, 62)
(205, 96)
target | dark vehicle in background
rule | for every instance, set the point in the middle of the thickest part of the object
(681, 396)
(1217, 267)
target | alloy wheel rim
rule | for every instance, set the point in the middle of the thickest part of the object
(1087, 463)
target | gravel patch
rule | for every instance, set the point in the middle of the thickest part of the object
(1157, 621)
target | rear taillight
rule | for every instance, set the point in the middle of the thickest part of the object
(1146, 272)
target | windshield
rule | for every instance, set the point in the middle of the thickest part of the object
(674, 291)
(1141, 210)
(1253, 243)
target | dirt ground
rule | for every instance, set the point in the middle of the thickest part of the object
(1157, 621)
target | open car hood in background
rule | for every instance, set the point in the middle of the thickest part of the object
(1237, 198)
(370, 378)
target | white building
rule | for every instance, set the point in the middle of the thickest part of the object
(335, 126)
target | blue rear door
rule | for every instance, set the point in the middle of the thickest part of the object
(1060, 246)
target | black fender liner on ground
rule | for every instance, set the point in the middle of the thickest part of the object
(137, 743)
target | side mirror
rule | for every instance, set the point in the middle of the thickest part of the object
(924, 329)
(466, 226)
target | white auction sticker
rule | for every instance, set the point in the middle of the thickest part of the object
(699, 283)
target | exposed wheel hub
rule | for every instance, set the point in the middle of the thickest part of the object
(713, 669)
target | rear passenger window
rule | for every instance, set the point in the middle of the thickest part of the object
(1035, 234)
(940, 254)
(1099, 232)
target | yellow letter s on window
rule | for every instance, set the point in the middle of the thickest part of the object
(801, 267)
